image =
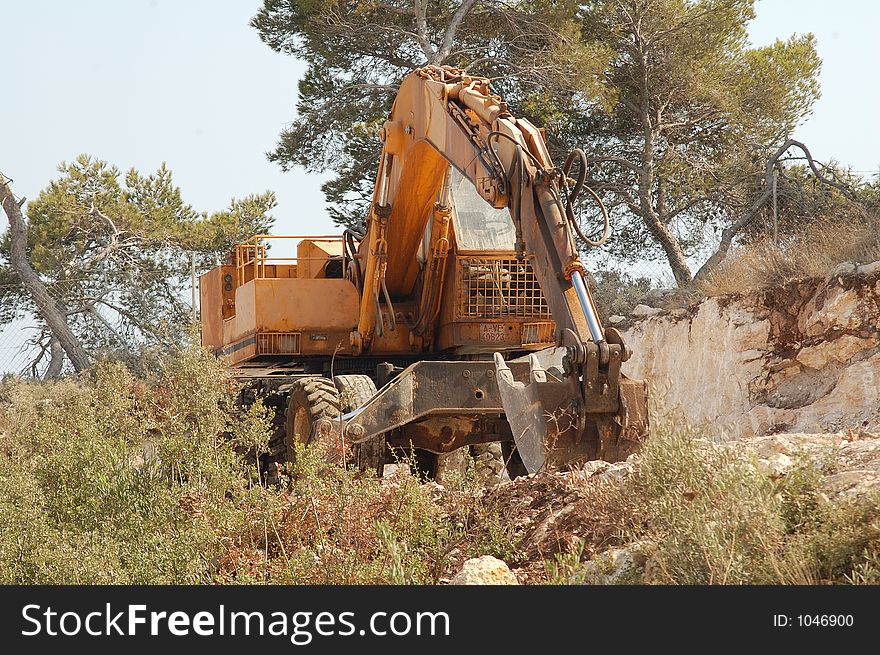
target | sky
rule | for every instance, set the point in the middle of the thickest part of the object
(188, 82)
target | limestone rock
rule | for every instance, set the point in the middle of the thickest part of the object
(868, 269)
(485, 570)
(614, 319)
(593, 467)
(842, 269)
(776, 466)
(617, 565)
(642, 311)
(831, 308)
(839, 350)
(800, 358)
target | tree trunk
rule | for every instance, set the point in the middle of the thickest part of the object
(654, 221)
(56, 360)
(667, 240)
(48, 309)
(658, 229)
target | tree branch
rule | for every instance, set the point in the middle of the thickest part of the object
(46, 305)
(420, 7)
(728, 234)
(452, 29)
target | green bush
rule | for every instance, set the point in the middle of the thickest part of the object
(146, 479)
(118, 478)
(98, 477)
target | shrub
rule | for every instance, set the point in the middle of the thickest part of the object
(99, 477)
(811, 251)
(711, 517)
(615, 292)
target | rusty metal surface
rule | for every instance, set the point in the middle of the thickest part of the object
(498, 287)
(444, 405)
(443, 434)
(629, 427)
(428, 389)
(545, 415)
(489, 301)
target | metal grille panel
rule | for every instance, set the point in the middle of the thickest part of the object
(278, 343)
(499, 287)
(538, 333)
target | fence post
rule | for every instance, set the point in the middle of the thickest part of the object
(193, 285)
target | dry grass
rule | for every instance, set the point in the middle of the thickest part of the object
(708, 515)
(811, 252)
(82, 501)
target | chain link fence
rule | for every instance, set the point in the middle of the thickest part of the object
(16, 353)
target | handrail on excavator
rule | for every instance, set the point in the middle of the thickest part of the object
(253, 252)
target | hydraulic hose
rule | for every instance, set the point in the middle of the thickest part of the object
(574, 193)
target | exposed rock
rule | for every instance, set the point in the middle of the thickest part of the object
(849, 462)
(642, 311)
(800, 358)
(614, 319)
(617, 565)
(842, 269)
(866, 270)
(576, 512)
(833, 307)
(593, 467)
(776, 466)
(485, 570)
(840, 350)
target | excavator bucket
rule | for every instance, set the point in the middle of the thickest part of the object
(545, 415)
(553, 426)
(524, 411)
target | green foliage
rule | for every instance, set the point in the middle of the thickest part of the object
(677, 111)
(115, 252)
(711, 516)
(143, 480)
(115, 479)
(697, 112)
(358, 52)
(494, 534)
(617, 293)
(339, 526)
(567, 567)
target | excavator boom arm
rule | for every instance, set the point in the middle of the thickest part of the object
(442, 116)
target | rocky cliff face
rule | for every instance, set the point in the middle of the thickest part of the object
(800, 358)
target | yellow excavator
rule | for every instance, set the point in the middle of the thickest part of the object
(458, 317)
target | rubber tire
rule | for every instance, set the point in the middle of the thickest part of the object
(311, 398)
(354, 391)
(488, 463)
